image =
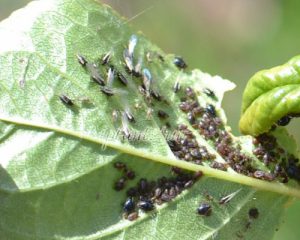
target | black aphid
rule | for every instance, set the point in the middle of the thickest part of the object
(147, 81)
(204, 209)
(160, 57)
(129, 116)
(81, 60)
(211, 110)
(191, 118)
(185, 106)
(137, 71)
(95, 75)
(128, 61)
(125, 128)
(284, 121)
(162, 114)
(131, 45)
(132, 192)
(180, 63)
(253, 213)
(122, 78)
(293, 171)
(66, 100)
(107, 91)
(176, 87)
(115, 115)
(146, 205)
(130, 174)
(128, 53)
(174, 145)
(120, 184)
(106, 58)
(129, 205)
(143, 185)
(190, 93)
(156, 95)
(209, 92)
(119, 165)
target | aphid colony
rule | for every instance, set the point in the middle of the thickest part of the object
(147, 194)
(284, 165)
(148, 87)
(210, 126)
(204, 119)
(187, 148)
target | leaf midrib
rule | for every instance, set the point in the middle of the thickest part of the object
(209, 172)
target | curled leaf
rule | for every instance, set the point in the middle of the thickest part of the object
(270, 96)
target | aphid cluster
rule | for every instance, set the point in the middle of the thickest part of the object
(187, 148)
(206, 121)
(284, 165)
(127, 174)
(147, 194)
(203, 119)
(136, 70)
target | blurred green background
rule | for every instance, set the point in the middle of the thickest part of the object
(231, 38)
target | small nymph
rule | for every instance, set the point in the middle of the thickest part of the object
(125, 128)
(122, 78)
(176, 87)
(66, 100)
(128, 61)
(94, 73)
(131, 45)
(147, 81)
(146, 205)
(81, 60)
(180, 63)
(162, 114)
(129, 115)
(106, 58)
(110, 78)
(138, 68)
(209, 92)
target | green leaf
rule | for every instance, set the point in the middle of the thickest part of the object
(270, 95)
(57, 174)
